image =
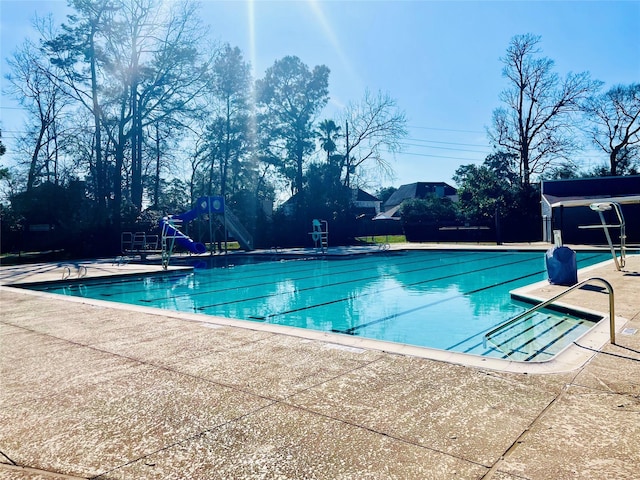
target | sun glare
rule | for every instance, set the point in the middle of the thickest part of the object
(333, 40)
(251, 19)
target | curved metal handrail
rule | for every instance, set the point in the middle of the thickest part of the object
(612, 316)
(81, 271)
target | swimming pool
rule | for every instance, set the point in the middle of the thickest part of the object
(440, 299)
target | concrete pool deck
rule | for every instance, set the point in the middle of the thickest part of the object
(92, 390)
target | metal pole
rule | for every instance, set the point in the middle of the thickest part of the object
(606, 233)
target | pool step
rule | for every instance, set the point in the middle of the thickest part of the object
(537, 337)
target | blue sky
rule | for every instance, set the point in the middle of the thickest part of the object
(438, 59)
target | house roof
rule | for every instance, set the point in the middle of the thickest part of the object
(362, 196)
(391, 214)
(417, 190)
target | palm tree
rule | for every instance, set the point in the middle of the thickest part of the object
(328, 133)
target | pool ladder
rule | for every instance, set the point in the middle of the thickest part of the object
(612, 326)
(81, 271)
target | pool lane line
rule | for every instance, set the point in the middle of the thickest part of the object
(161, 280)
(312, 275)
(352, 330)
(296, 279)
(304, 268)
(270, 281)
(388, 317)
(351, 281)
(342, 299)
(348, 281)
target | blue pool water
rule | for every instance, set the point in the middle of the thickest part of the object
(439, 299)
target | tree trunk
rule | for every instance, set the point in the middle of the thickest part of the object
(33, 167)
(227, 151)
(613, 161)
(136, 134)
(117, 175)
(156, 185)
(136, 164)
(347, 177)
(101, 176)
(299, 177)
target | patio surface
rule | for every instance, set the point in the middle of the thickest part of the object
(95, 390)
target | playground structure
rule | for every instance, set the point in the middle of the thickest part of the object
(320, 234)
(214, 208)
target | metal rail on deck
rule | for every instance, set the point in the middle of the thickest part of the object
(612, 316)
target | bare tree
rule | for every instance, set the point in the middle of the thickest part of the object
(374, 126)
(135, 65)
(536, 121)
(161, 67)
(33, 85)
(76, 52)
(615, 124)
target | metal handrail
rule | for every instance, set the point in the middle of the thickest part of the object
(612, 333)
(81, 270)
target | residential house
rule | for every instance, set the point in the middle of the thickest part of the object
(365, 204)
(419, 190)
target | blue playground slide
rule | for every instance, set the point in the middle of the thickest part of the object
(181, 239)
(208, 205)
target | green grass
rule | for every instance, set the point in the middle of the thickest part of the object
(382, 239)
(231, 245)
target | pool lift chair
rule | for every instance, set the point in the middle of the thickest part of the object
(601, 207)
